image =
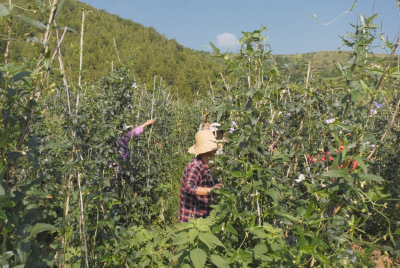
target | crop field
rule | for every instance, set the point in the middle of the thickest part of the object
(309, 169)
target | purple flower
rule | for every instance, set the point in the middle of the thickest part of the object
(377, 105)
(83, 126)
(233, 124)
(120, 117)
(372, 146)
(110, 166)
(85, 98)
(46, 160)
(134, 85)
(287, 115)
(330, 121)
(231, 130)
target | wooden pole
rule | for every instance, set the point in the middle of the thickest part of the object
(115, 45)
(81, 49)
(83, 220)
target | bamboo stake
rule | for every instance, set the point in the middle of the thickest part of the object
(81, 49)
(308, 74)
(258, 210)
(115, 45)
(152, 102)
(226, 86)
(212, 90)
(68, 197)
(83, 220)
(80, 226)
(140, 104)
(60, 61)
(9, 40)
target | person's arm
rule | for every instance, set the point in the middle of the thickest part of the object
(206, 190)
(139, 130)
(148, 122)
(192, 178)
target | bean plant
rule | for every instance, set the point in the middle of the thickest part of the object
(308, 167)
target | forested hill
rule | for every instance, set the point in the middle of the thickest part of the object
(150, 52)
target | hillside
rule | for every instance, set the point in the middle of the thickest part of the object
(149, 52)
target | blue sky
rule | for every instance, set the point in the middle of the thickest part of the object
(292, 28)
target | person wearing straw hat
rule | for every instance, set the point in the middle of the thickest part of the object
(197, 182)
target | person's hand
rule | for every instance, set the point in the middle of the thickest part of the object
(148, 122)
(217, 186)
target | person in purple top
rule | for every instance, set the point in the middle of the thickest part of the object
(123, 143)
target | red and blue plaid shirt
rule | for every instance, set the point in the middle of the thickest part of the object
(196, 174)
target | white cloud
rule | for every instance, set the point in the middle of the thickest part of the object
(226, 40)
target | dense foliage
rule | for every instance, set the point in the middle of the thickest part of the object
(309, 168)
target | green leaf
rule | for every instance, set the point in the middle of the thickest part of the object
(367, 177)
(368, 250)
(260, 249)
(59, 8)
(280, 156)
(259, 233)
(183, 225)
(37, 24)
(395, 74)
(32, 154)
(5, 202)
(41, 227)
(181, 239)
(219, 261)
(231, 229)
(237, 174)
(215, 49)
(68, 29)
(23, 249)
(4, 138)
(6, 255)
(333, 173)
(216, 241)
(198, 257)
(244, 255)
(193, 234)
(2, 172)
(274, 194)
(206, 239)
(360, 162)
(3, 215)
(210, 238)
(20, 75)
(287, 215)
(4, 11)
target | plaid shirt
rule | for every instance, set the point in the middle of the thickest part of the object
(196, 174)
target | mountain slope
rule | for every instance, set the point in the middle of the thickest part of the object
(150, 53)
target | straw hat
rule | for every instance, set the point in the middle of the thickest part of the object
(205, 142)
